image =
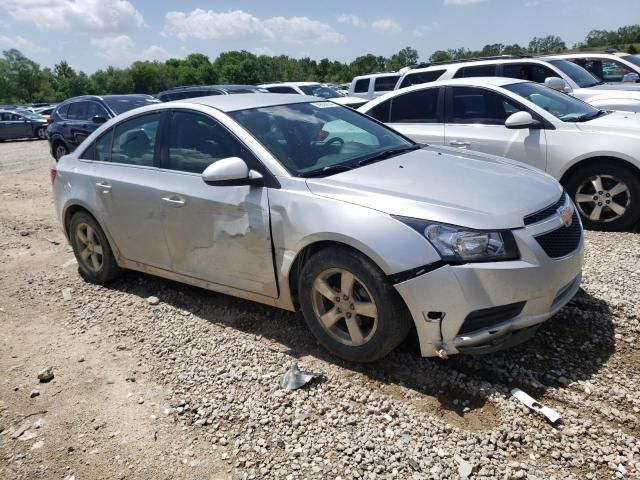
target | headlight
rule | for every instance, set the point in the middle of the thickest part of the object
(459, 244)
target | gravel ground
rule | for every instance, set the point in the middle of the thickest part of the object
(207, 369)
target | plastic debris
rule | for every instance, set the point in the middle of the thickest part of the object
(464, 467)
(294, 378)
(550, 413)
(66, 294)
(414, 465)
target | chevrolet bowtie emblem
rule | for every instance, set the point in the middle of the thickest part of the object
(566, 215)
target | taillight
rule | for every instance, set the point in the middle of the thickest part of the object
(53, 172)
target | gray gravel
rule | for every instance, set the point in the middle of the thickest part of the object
(402, 417)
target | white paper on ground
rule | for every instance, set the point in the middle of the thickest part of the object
(550, 413)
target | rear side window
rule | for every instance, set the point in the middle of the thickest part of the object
(385, 84)
(100, 149)
(362, 86)
(96, 110)
(134, 140)
(381, 111)
(421, 77)
(415, 107)
(281, 90)
(77, 111)
(196, 141)
(527, 71)
(476, 71)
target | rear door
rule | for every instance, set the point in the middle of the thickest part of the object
(417, 114)
(219, 234)
(76, 123)
(125, 178)
(475, 120)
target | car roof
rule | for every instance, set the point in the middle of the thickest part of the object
(374, 75)
(246, 101)
(465, 63)
(108, 97)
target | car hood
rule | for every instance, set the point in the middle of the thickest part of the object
(445, 185)
(623, 123)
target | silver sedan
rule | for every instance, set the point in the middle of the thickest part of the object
(300, 203)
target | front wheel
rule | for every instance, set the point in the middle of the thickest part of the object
(606, 195)
(350, 306)
(41, 133)
(91, 249)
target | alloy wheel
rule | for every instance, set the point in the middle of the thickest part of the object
(42, 134)
(603, 198)
(344, 307)
(61, 151)
(89, 247)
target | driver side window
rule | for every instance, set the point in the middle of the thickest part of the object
(479, 106)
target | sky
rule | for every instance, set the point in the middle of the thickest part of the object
(92, 34)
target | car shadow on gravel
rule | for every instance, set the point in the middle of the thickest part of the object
(571, 347)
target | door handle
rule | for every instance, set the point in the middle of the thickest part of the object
(104, 186)
(459, 144)
(175, 201)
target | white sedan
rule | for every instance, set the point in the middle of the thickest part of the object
(594, 153)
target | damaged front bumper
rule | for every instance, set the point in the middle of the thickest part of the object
(485, 307)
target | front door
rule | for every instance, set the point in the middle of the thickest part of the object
(475, 121)
(219, 234)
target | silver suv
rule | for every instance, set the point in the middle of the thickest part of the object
(304, 204)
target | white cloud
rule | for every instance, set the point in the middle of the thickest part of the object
(385, 25)
(350, 19)
(236, 24)
(422, 30)
(262, 51)
(75, 15)
(120, 50)
(456, 3)
(21, 44)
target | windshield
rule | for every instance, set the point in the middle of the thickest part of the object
(32, 116)
(562, 106)
(320, 91)
(121, 105)
(635, 59)
(576, 73)
(311, 138)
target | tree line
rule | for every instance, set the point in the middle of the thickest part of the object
(23, 80)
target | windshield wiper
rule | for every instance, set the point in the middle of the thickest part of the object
(392, 152)
(590, 116)
(330, 170)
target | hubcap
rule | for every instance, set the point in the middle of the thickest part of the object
(60, 151)
(344, 307)
(41, 134)
(89, 247)
(603, 198)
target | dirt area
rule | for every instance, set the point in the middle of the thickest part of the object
(188, 388)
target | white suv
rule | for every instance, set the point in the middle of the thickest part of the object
(609, 67)
(577, 81)
(314, 89)
(373, 85)
(595, 154)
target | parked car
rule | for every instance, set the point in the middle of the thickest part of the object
(180, 93)
(593, 153)
(576, 80)
(76, 118)
(373, 85)
(21, 124)
(305, 204)
(608, 67)
(316, 90)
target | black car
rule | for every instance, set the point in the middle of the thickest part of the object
(22, 124)
(180, 93)
(76, 118)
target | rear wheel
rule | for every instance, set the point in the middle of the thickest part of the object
(91, 248)
(59, 150)
(41, 133)
(606, 195)
(350, 307)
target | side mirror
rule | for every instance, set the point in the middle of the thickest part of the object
(631, 77)
(99, 119)
(556, 83)
(230, 171)
(521, 120)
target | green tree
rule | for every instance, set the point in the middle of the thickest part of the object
(406, 57)
(550, 43)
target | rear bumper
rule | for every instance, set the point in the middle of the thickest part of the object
(440, 301)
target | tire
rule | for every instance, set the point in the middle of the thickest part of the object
(99, 264)
(40, 133)
(595, 188)
(383, 322)
(59, 150)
